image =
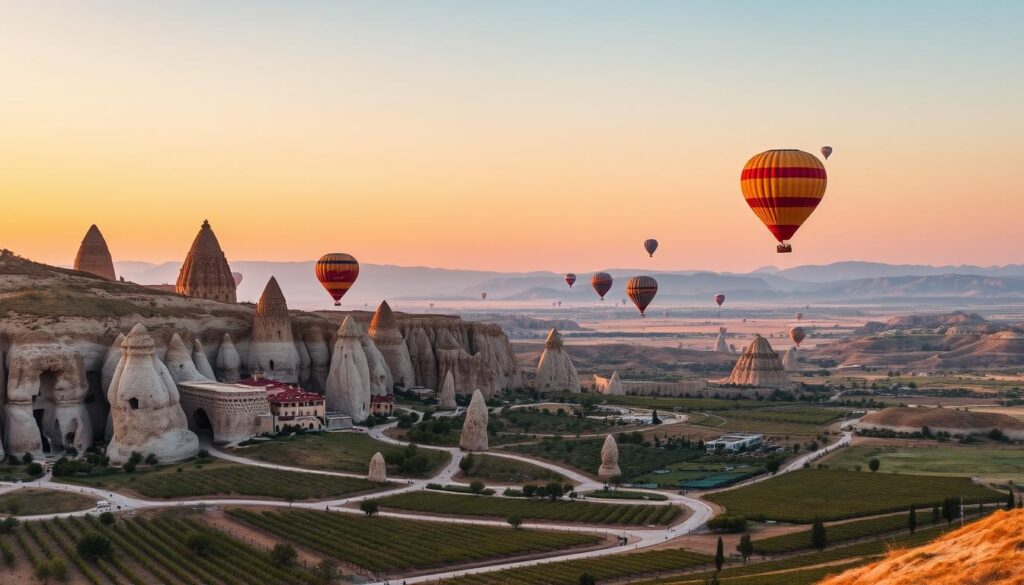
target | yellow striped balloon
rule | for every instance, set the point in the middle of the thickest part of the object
(783, 187)
(337, 272)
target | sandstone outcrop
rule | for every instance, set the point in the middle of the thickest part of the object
(178, 360)
(789, 360)
(319, 348)
(555, 371)
(474, 429)
(446, 398)
(272, 348)
(386, 335)
(205, 273)
(94, 256)
(144, 405)
(348, 384)
(720, 343)
(758, 367)
(201, 361)
(229, 363)
(379, 372)
(615, 387)
(378, 469)
(110, 362)
(609, 459)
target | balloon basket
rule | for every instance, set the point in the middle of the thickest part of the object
(784, 248)
(337, 303)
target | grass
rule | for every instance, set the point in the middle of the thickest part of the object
(219, 478)
(690, 404)
(834, 494)
(585, 455)
(952, 460)
(533, 509)
(489, 468)
(625, 495)
(350, 452)
(563, 421)
(33, 502)
(389, 544)
(14, 473)
(693, 470)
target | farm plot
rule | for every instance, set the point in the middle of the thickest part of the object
(489, 468)
(833, 494)
(585, 455)
(996, 462)
(381, 544)
(534, 509)
(30, 502)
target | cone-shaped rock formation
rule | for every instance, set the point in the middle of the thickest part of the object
(789, 361)
(609, 459)
(720, 344)
(615, 387)
(229, 363)
(388, 337)
(178, 360)
(555, 371)
(271, 347)
(378, 469)
(446, 398)
(144, 404)
(201, 361)
(758, 366)
(474, 430)
(379, 372)
(94, 256)
(205, 273)
(348, 383)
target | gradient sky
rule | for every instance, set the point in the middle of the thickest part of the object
(509, 135)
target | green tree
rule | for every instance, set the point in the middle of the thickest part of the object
(34, 469)
(58, 569)
(93, 545)
(466, 463)
(587, 579)
(199, 543)
(1011, 502)
(912, 519)
(328, 572)
(745, 547)
(514, 522)
(719, 555)
(819, 536)
(477, 487)
(107, 518)
(951, 509)
(283, 555)
(529, 490)
(554, 491)
(874, 464)
(42, 570)
(369, 507)
(8, 524)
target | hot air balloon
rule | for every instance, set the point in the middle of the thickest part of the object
(641, 290)
(337, 272)
(570, 279)
(237, 276)
(719, 298)
(651, 245)
(483, 296)
(826, 151)
(799, 316)
(797, 334)
(783, 187)
(602, 283)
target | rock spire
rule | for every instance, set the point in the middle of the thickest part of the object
(388, 337)
(94, 256)
(789, 360)
(348, 383)
(446, 397)
(205, 273)
(758, 366)
(272, 348)
(144, 405)
(379, 372)
(202, 362)
(378, 469)
(229, 363)
(615, 387)
(720, 344)
(474, 429)
(555, 370)
(178, 360)
(609, 459)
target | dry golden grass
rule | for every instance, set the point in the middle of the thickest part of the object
(989, 552)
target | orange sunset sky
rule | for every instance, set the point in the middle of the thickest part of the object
(509, 135)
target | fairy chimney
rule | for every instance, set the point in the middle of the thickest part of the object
(474, 429)
(555, 370)
(759, 367)
(205, 273)
(94, 256)
(615, 387)
(446, 398)
(378, 469)
(271, 347)
(348, 383)
(609, 459)
(720, 344)
(388, 338)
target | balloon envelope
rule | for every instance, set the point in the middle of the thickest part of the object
(826, 151)
(797, 334)
(238, 277)
(602, 283)
(719, 298)
(641, 290)
(336, 272)
(783, 187)
(799, 316)
(570, 279)
(651, 245)
(483, 296)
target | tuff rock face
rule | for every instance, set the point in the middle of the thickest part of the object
(379, 372)
(555, 370)
(205, 273)
(94, 256)
(385, 333)
(201, 361)
(144, 405)
(378, 469)
(789, 360)
(348, 384)
(110, 361)
(446, 398)
(759, 367)
(272, 348)
(720, 344)
(615, 385)
(178, 360)
(229, 363)
(609, 459)
(319, 349)
(474, 430)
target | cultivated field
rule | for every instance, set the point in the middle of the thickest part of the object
(32, 502)
(953, 460)
(502, 470)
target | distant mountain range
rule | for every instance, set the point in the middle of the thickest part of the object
(838, 282)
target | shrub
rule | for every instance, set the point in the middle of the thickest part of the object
(515, 522)
(477, 487)
(26, 458)
(151, 459)
(369, 507)
(199, 543)
(726, 522)
(107, 518)
(93, 545)
(34, 469)
(874, 464)
(8, 525)
(283, 555)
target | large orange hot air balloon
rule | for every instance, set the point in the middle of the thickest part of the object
(651, 245)
(826, 151)
(570, 279)
(783, 187)
(719, 298)
(336, 272)
(797, 334)
(641, 290)
(602, 283)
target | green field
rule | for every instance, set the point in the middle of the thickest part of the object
(695, 470)
(32, 502)
(533, 509)
(490, 468)
(690, 404)
(220, 478)
(834, 494)
(388, 544)
(608, 494)
(349, 452)
(946, 460)
(585, 455)
(14, 473)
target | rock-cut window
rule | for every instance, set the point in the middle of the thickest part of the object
(133, 403)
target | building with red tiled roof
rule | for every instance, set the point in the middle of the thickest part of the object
(384, 404)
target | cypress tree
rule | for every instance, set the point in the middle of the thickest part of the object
(745, 547)
(819, 536)
(719, 555)
(1010, 500)
(912, 519)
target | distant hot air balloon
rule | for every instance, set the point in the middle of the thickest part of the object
(651, 245)
(337, 272)
(602, 283)
(783, 187)
(238, 278)
(559, 303)
(483, 296)
(431, 305)
(826, 151)
(719, 298)
(799, 316)
(797, 334)
(624, 302)
(641, 290)
(570, 279)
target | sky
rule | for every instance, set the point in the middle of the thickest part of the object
(526, 135)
